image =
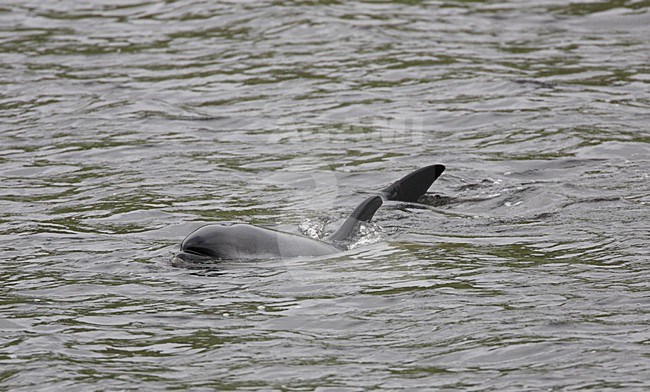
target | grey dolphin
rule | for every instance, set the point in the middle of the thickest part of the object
(227, 241)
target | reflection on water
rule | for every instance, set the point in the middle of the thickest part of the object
(126, 125)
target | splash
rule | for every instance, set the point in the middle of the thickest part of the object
(367, 233)
(313, 228)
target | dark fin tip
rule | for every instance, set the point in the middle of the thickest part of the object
(414, 185)
(363, 213)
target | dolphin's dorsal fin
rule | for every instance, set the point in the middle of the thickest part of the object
(408, 189)
(411, 187)
(363, 213)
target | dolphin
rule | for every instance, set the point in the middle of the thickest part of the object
(244, 242)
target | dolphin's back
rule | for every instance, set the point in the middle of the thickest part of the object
(248, 242)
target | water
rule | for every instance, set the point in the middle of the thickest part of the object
(127, 124)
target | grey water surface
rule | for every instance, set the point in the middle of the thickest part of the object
(127, 124)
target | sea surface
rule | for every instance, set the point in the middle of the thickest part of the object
(127, 124)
